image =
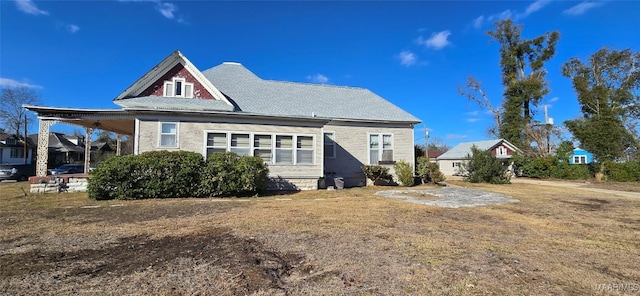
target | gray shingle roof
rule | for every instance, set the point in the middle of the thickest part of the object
(164, 103)
(255, 95)
(461, 150)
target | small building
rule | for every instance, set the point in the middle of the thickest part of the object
(451, 161)
(12, 150)
(581, 156)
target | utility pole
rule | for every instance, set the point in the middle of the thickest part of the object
(426, 139)
(548, 121)
(25, 140)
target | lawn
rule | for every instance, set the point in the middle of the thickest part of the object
(555, 241)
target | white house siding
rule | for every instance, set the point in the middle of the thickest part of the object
(352, 148)
(191, 137)
(447, 166)
(5, 156)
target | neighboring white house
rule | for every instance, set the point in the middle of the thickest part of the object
(302, 131)
(450, 161)
(12, 150)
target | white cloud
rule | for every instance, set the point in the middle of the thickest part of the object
(535, 6)
(167, 9)
(28, 7)
(455, 137)
(438, 40)
(554, 99)
(318, 78)
(472, 113)
(510, 14)
(582, 7)
(407, 58)
(472, 119)
(72, 28)
(7, 82)
(478, 22)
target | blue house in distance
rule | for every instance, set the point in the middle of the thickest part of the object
(581, 156)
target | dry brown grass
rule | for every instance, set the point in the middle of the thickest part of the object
(555, 241)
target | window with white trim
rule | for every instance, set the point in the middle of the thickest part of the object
(17, 153)
(380, 148)
(580, 159)
(240, 144)
(329, 145)
(169, 134)
(216, 142)
(262, 147)
(501, 151)
(304, 150)
(272, 148)
(284, 150)
(178, 87)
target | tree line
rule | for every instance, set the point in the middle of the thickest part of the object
(606, 86)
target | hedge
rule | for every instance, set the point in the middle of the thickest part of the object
(164, 174)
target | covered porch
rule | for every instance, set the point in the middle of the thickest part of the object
(118, 121)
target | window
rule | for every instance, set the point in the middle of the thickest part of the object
(456, 164)
(216, 142)
(501, 151)
(304, 150)
(581, 159)
(178, 87)
(262, 147)
(240, 144)
(284, 149)
(11, 141)
(329, 145)
(380, 153)
(168, 134)
(17, 153)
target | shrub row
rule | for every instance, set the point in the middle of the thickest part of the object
(428, 171)
(164, 174)
(622, 172)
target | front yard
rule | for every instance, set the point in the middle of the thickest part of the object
(555, 241)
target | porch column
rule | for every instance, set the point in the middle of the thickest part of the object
(87, 149)
(118, 144)
(43, 146)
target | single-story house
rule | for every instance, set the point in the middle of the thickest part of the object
(451, 161)
(581, 156)
(302, 131)
(12, 150)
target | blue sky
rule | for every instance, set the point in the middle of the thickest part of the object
(414, 54)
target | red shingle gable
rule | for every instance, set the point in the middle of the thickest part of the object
(156, 89)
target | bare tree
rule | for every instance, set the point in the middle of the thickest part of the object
(13, 114)
(475, 93)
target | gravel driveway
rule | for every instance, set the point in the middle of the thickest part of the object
(449, 197)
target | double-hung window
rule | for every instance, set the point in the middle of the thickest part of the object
(240, 144)
(380, 148)
(580, 159)
(169, 134)
(284, 149)
(304, 150)
(216, 143)
(178, 87)
(17, 153)
(501, 151)
(329, 145)
(262, 147)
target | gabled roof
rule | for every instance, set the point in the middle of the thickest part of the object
(160, 69)
(58, 142)
(461, 150)
(278, 98)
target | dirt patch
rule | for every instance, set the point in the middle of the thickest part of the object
(245, 262)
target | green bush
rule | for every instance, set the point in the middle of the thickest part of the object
(163, 174)
(227, 174)
(484, 167)
(377, 173)
(156, 174)
(623, 172)
(551, 167)
(428, 171)
(404, 171)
